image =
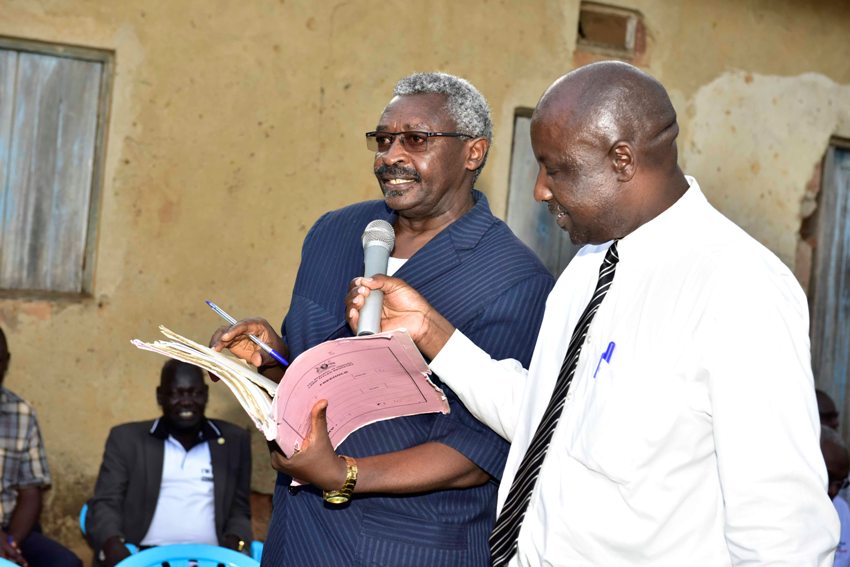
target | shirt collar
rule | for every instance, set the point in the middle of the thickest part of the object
(161, 429)
(677, 219)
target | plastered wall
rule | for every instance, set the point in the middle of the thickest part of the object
(234, 124)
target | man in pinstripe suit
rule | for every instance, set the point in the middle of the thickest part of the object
(425, 485)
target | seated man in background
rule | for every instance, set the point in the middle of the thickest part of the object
(829, 416)
(181, 478)
(24, 476)
(837, 468)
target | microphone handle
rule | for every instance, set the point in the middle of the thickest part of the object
(370, 316)
(375, 258)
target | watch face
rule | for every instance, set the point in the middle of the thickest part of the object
(336, 498)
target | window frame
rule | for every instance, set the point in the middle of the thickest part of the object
(107, 59)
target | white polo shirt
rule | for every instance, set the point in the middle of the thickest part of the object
(185, 509)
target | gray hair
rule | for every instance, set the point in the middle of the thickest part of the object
(464, 103)
(467, 107)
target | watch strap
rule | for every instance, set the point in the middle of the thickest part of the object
(343, 495)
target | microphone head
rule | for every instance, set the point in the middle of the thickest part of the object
(379, 233)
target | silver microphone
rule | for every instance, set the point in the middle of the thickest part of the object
(378, 242)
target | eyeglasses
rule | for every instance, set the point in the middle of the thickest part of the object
(413, 141)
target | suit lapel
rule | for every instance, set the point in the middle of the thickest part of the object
(218, 456)
(435, 259)
(443, 253)
(154, 450)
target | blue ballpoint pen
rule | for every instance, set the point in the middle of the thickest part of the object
(271, 352)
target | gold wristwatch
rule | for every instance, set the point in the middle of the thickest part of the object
(343, 495)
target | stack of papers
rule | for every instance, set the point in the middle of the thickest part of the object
(365, 379)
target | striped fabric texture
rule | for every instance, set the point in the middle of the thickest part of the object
(23, 461)
(489, 285)
(503, 542)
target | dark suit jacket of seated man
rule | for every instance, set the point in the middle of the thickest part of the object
(144, 497)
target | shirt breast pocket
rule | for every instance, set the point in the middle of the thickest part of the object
(604, 433)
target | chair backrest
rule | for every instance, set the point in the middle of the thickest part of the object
(83, 512)
(7, 563)
(186, 555)
(257, 550)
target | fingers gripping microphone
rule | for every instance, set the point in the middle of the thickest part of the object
(378, 242)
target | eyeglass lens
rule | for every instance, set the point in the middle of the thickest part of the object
(411, 141)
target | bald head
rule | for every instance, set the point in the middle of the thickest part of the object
(827, 410)
(604, 136)
(611, 101)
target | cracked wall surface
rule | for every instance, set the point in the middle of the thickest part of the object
(757, 138)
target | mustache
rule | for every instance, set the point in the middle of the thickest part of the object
(396, 170)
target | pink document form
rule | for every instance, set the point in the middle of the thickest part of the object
(365, 379)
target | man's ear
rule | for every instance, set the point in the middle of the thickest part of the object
(476, 152)
(623, 162)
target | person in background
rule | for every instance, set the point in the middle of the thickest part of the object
(837, 461)
(24, 476)
(420, 489)
(181, 478)
(827, 411)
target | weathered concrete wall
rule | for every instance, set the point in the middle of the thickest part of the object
(234, 125)
(758, 138)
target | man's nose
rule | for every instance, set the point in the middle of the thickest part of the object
(396, 153)
(542, 193)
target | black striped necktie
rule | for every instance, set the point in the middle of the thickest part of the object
(503, 541)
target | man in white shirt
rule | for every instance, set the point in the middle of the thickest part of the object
(181, 478)
(688, 430)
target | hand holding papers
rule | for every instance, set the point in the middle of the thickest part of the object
(365, 379)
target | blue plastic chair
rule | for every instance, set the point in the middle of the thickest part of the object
(7, 563)
(186, 555)
(85, 510)
(257, 550)
(256, 546)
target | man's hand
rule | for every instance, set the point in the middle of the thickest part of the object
(114, 551)
(402, 306)
(235, 338)
(316, 463)
(9, 549)
(234, 542)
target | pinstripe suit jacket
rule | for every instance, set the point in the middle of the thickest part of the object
(489, 285)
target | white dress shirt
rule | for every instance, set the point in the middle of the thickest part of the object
(697, 443)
